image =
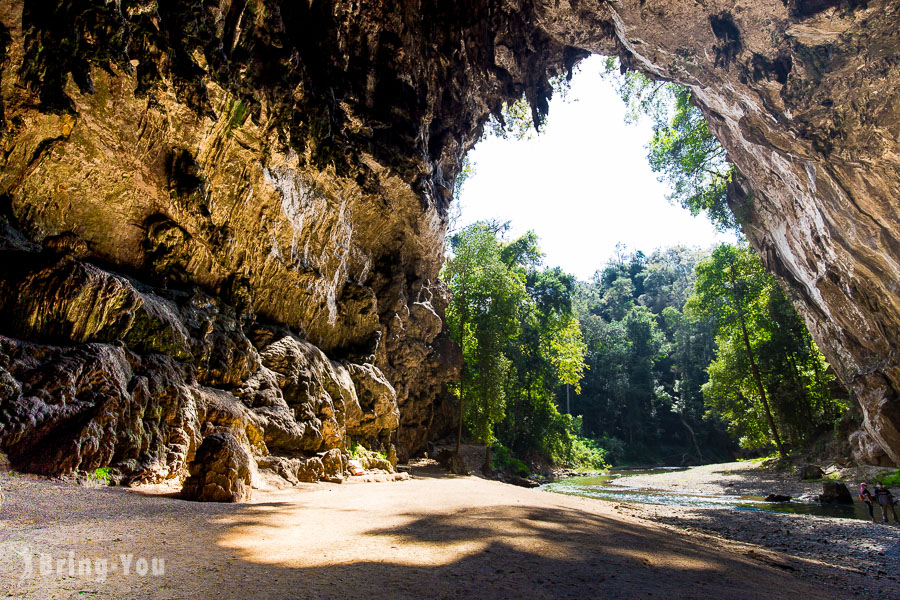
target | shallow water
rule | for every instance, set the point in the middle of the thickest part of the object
(600, 487)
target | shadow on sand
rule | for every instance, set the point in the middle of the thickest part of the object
(322, 545)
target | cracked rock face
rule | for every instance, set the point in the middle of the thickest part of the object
(231, 215)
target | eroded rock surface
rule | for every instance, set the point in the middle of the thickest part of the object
(251, 197)
(220, 472)
(126, 375)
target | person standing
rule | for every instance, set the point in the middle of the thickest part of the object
(866, 496)
(885, 501)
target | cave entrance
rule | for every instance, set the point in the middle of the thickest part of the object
(583, 184)
(662, 330)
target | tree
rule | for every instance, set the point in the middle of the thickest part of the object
(682, 150)
(691, 342)
(646, 348)
(548, 353)
(728, 286)
(768, 380)
(520, 341)
(647, 359)
(482, 317)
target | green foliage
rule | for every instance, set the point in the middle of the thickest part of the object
(238, 115)
(482, 318)
(359, 452)
(768, 379)
(890, 479)
(502, 459)
(520, 340)
(370, 459)
(641, 397)
(356, 450)
(682, 150)
(515, 120)
(587, 454)
(101, 476)
(613, 449)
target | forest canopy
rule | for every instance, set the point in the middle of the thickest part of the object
(679, 356)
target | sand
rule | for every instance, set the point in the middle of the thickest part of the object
(433, 536)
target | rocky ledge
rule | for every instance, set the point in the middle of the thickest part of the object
(141, 379)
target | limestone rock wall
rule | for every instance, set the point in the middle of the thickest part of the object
(172, 179)
(246, 201)
(121, 374)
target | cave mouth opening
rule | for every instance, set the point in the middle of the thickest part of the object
(583, 184)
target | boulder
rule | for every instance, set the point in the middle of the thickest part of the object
(835, 492)
(452, 461)
(311, 470)
(220, 471)
(333, 463)
(811, 472)
(392, 456)
(527, 483)
(283, 467)
(777, 498)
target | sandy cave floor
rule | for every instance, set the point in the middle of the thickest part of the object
(434, 536)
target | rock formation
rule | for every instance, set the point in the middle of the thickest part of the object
(220, 472)
(230, 216)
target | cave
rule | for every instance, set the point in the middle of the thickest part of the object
(230, 216)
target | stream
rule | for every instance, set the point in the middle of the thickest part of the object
(613, 486)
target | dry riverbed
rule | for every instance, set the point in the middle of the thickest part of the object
(868, 553)
(433, 536)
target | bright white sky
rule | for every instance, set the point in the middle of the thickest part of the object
(583, 185)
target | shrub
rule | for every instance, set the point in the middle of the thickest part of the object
(614, 447)
(100, 476)
(587, 454)
(890, 479)
(503, 460)
(359, 452)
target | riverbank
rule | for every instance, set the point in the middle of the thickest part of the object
(433, 536)
(745, 478)
(870, 551)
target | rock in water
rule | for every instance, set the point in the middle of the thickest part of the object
(835, 492)
(220, 472)
(811, 472)
(777, 498)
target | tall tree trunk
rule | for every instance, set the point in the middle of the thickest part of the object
(807, 400)
(693, 437)
(486, 467)
(759, 386)
(462, 375)
(753, 367)
(516, 401)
